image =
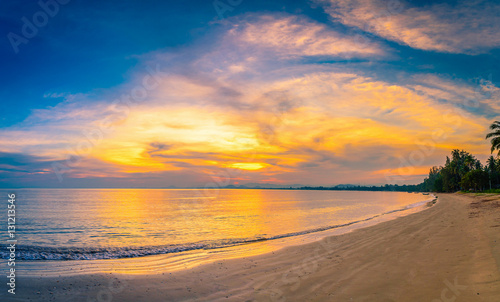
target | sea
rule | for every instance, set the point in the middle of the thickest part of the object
(77, 231)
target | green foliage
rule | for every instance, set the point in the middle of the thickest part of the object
(464, 172)
(495, 135)
(457, 174)
(434, 182)
(475, 180)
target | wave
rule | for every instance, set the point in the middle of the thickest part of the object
(37, 253)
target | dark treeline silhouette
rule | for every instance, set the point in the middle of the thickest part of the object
(466, 173)
(462, 172)
(397, 188)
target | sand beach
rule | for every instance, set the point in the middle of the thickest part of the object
(449, 252)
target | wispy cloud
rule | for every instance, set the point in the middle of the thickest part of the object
(247, 103)
(292, 36)
(460, 27)
(341, 118)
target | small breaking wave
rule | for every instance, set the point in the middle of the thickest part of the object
(44, 253)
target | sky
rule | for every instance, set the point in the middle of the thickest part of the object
(230, 92)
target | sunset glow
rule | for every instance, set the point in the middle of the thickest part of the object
(335, 94)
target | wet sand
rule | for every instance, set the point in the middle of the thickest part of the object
(449, 252)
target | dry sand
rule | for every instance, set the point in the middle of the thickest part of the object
(449, 252)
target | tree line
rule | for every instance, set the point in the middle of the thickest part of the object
(386, 187)
(463, 172)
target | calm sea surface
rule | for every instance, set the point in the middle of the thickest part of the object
(90, 224)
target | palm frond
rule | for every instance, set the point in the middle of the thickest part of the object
(495, 144)
(495, 133)
(495, 125)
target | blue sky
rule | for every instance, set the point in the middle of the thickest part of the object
(332, 65)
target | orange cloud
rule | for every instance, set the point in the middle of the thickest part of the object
(298, 125)
(234, 110)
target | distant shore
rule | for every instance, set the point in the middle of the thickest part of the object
(450, 250)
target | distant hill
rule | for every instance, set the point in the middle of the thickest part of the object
(340, 187)
(278, 186)
(345, 186)
(263, 186)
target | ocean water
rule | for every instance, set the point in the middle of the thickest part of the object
(94, 224)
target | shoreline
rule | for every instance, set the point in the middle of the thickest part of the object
(177, 261)
(450, 250)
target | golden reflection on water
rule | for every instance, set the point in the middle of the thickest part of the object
(131, 217)
(144, 219)
(188, 216)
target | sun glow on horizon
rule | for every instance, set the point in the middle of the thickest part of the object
(248, 166)
(270, 95)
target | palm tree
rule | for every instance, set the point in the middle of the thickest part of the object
(491, 167)
(495, 141)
